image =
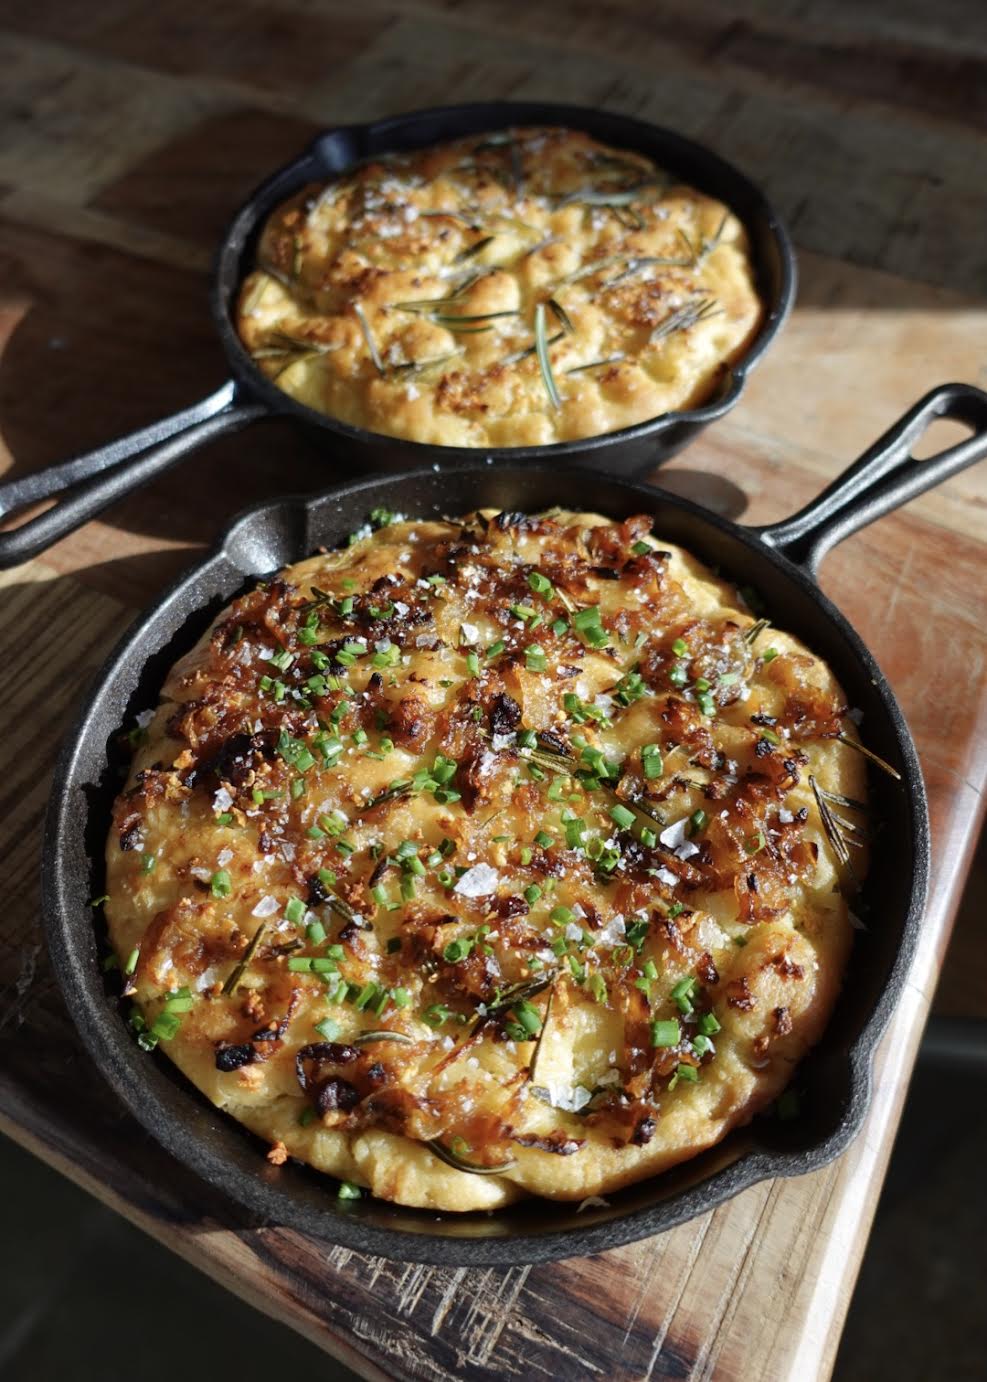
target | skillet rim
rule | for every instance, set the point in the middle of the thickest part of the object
(105, 1036)
(758, 212)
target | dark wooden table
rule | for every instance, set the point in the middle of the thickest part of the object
(131, 130)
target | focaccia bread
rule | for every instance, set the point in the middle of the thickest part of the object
(485, 857)
(516, 289)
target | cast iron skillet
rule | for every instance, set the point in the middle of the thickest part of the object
(780, 562)
(93, 481)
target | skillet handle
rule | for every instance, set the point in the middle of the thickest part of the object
(93, 481)
(886, 476)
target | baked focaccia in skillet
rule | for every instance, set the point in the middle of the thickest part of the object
(484, 858)
(515, 289)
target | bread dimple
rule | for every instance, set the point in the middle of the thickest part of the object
(656, 286)
(417, 767)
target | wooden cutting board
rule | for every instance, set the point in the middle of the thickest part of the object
(131, 134)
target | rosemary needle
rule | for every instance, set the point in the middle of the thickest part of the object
(545, 364)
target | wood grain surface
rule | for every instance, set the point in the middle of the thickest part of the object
(131, 130)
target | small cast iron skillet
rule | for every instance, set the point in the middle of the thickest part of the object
(91, 482)
(780, 562)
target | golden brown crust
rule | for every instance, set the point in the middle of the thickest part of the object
(369, 303)
(532, 797)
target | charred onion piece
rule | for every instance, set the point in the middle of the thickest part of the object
(331, 1053)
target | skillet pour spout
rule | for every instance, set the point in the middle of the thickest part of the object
(86, 485)
(780, 562)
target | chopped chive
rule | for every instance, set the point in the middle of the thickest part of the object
(651, 760)
(221, 884)
(540, 584)
(681, 994)
(665, 1033)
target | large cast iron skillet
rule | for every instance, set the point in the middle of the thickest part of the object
(89, 483)
(780, 563)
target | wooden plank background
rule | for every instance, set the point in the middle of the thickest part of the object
(130, 132)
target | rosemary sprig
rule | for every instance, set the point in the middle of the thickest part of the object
(238, 971)
(472, 250)
(449, 324)
(607, 262)
(545, 364)
(645, 261)
(753, 631)
(542, 244)
(527, 988)
(554, 762)
(320, 599)
(706, 247)
(830, 825)
(595, 364)
(629, 217)
(519, 355)
(450, 1158)
(384, 1034)
(445, 317)
(303, 343)
(563, 317)
(452, 216)
(633, 262)
(870, 755)
(689, 314)
(691, 250)
(368, 337)
(346, 912)
(397, 789)
(424, 304)
(838, 799)
(595, 196)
